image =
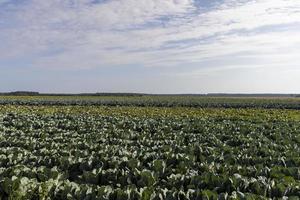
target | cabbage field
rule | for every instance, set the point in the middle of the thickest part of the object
(60, 148)
(156, 101)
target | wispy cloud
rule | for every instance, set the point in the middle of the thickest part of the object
(88, 34)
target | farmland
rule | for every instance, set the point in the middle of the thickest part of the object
(156, 101)
(149, 148)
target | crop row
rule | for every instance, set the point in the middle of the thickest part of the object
(156, 101)
(82, 156)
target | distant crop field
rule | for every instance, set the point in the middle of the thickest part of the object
(158, 101)
(116, 148)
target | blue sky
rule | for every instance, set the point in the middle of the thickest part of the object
(154, 46)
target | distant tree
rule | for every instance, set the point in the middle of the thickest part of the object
(24, 93)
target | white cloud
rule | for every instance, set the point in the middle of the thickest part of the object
(81, 34)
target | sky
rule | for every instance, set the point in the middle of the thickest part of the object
(151, 46)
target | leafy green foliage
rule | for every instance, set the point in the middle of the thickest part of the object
(74, 152)
(157, 101)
